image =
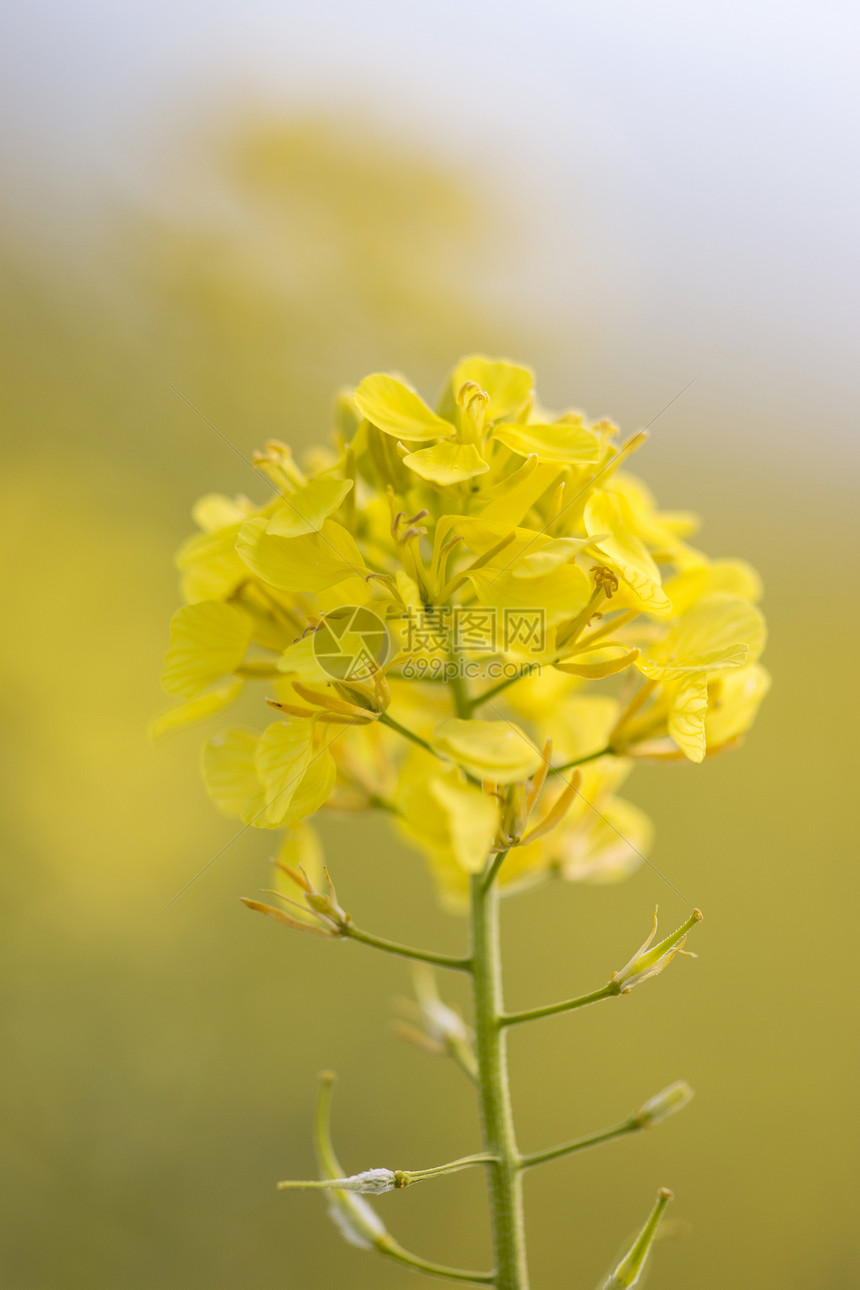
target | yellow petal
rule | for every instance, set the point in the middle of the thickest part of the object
(211, 569)
(497, 751)
(581, 726)
(735, 577)
(508, 385)
(299, 659)
(215, 511)
(188, 714)
(600, 663)
(527, 553)
(420, 818)
(283, 755)
(472, 819)
(607, 514)
(447, 463)
(720, 631)
(504, 486)
(511, 505)
(545, 558)
(312, 562)
(409, 590)
(305, 510)
(314, 788)
(480, 534)
(230, 773)
(541, 695)
(453, 823)
(352, 591)
(687, 711)
(734, 699)
(607, 847)
(556, 595)
(566, 442)
(398, 410)
(207, 640)
(525, 865)
(301, 846)
(657, 528)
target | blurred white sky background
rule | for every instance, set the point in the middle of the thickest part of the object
(687, 174)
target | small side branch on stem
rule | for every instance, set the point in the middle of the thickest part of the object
(407, 951)
(658, 1108)
(389, 1247)
(375, 1182)
(608, 991)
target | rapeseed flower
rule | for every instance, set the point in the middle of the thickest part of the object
(470, 617)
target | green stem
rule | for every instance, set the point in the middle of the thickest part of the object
(459, 689)
(388, 1246)
(503, 685)
(406, 951)
(373, 799)
(386, 720)
(504, 1175)
(257, 671)
(580, 1144)
(493, 871)
(579, 761)
(408, 1176)
(608, 991)
(383, 804)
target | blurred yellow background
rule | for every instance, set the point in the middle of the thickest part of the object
(159, 1063)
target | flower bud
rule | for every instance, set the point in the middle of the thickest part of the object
(325, 904)
(651, 960)
(372, 1182)
(663, 1104)
(328, 918)
(629, 1270)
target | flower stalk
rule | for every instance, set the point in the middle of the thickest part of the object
(496, 552)
(504, 1174)
(654, 1111)
(649, 960)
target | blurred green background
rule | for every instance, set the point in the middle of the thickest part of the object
(159, 1063)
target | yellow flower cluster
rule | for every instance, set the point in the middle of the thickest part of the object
(473, 618)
